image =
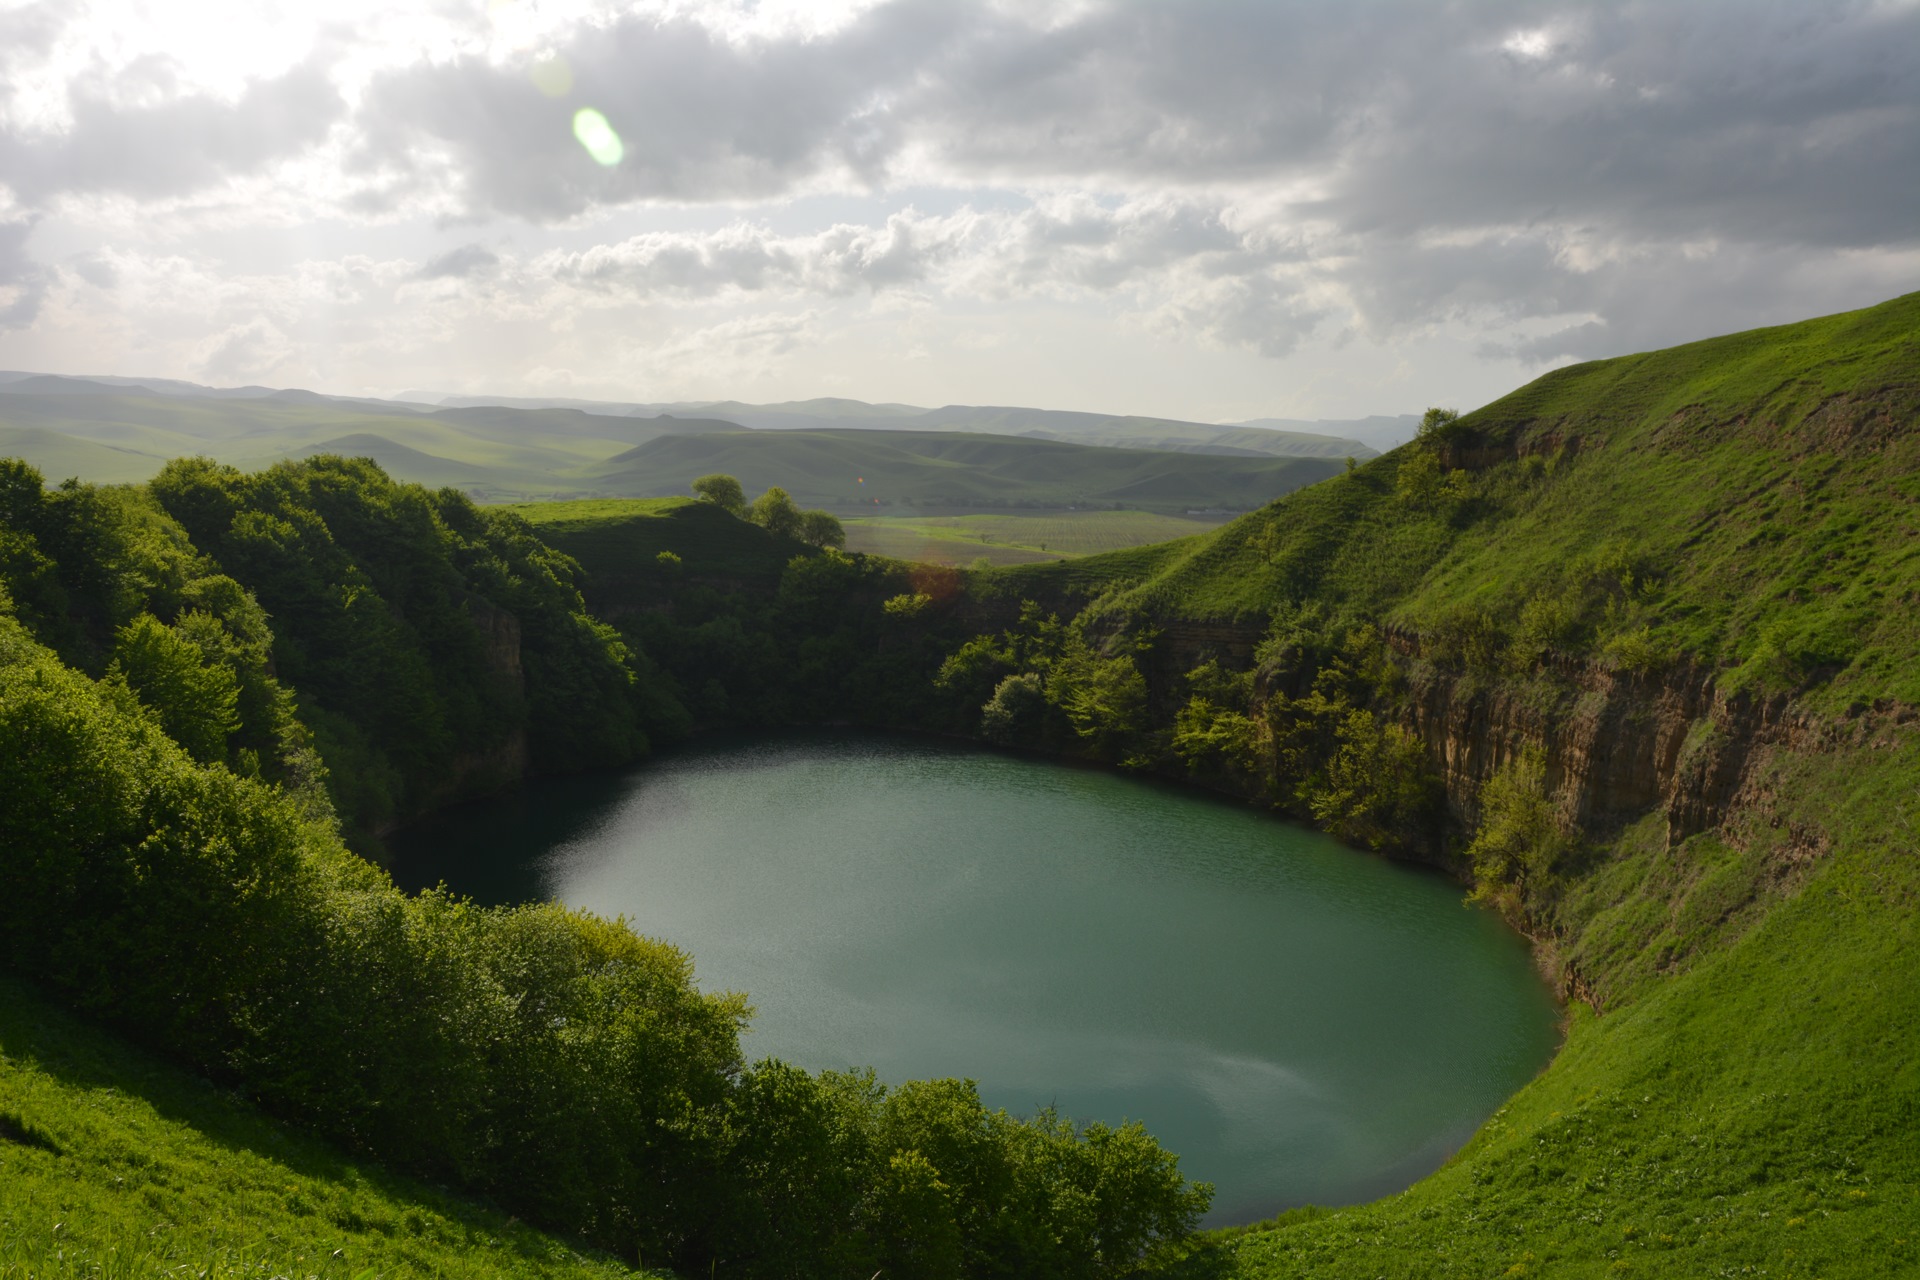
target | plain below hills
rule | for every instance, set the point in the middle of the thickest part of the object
(113, 430)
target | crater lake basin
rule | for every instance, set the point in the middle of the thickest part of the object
(1300, 1021)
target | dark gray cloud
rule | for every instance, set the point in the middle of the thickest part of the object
(1582, 177)
(23, 282)
(140, 133)
(1764, 120)
(460, 263)
(701, 119)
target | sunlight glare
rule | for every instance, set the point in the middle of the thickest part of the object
(598, 137)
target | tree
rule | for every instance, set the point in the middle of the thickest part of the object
(776, 512)
(1437, 424)
(822, 529)
(194, 697)
(722, 491)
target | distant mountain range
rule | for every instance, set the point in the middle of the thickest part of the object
(845, 454)
(1286, 437)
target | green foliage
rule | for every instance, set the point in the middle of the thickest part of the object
(177, 673)
(1018, 710)
(1419, 478)
(821, 529)
(1064, 688)
(548, 1059)
(1211, 734)
(1376, 788)
(1520, 840)
(434, 645)
(1438, 426)
(722, 491)
(776, 512)
(114, 1163)
(908, 604)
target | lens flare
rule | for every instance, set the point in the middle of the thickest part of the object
(597, 136)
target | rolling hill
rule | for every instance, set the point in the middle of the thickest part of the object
(118, 430)
(849, 470)
(1667, 598)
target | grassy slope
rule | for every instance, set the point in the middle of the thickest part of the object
(113, 1164)
(1754, 1101)
(959, 539)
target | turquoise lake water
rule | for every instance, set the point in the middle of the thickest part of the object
(1301, 1022)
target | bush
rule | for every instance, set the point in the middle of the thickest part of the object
(1520, 839)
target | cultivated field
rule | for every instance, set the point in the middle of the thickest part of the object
(1018, 539)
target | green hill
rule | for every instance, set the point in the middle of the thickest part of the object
(1645, 624)
(851, 470)
(502, 453)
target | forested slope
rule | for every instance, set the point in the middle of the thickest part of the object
(196, 675)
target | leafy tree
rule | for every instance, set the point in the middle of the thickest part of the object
(1520, 839)
(822, 529)
(1438, 425)
(722, 491)
(194, 696)
(776, 512)
(1016, 711)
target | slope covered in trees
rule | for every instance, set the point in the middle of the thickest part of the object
(171, 865)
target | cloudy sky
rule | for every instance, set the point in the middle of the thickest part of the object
(1200, 209)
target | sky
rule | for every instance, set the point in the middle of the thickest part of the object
(1204, 209)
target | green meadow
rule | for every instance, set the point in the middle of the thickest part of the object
(962, 540)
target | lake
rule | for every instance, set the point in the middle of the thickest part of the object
(1301, 1022)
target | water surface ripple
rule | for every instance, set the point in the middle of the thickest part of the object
(1301, 1022)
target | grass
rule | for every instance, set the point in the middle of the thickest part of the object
(1748, 1102)
(1017, 539)
(114, 1164)
(1754, 1114)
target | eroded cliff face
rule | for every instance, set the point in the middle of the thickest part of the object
(1616, 745)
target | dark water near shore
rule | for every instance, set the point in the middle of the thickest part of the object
(1301, 1022)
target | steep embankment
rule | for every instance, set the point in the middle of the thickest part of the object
(1647, 626)
(117, 1164)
